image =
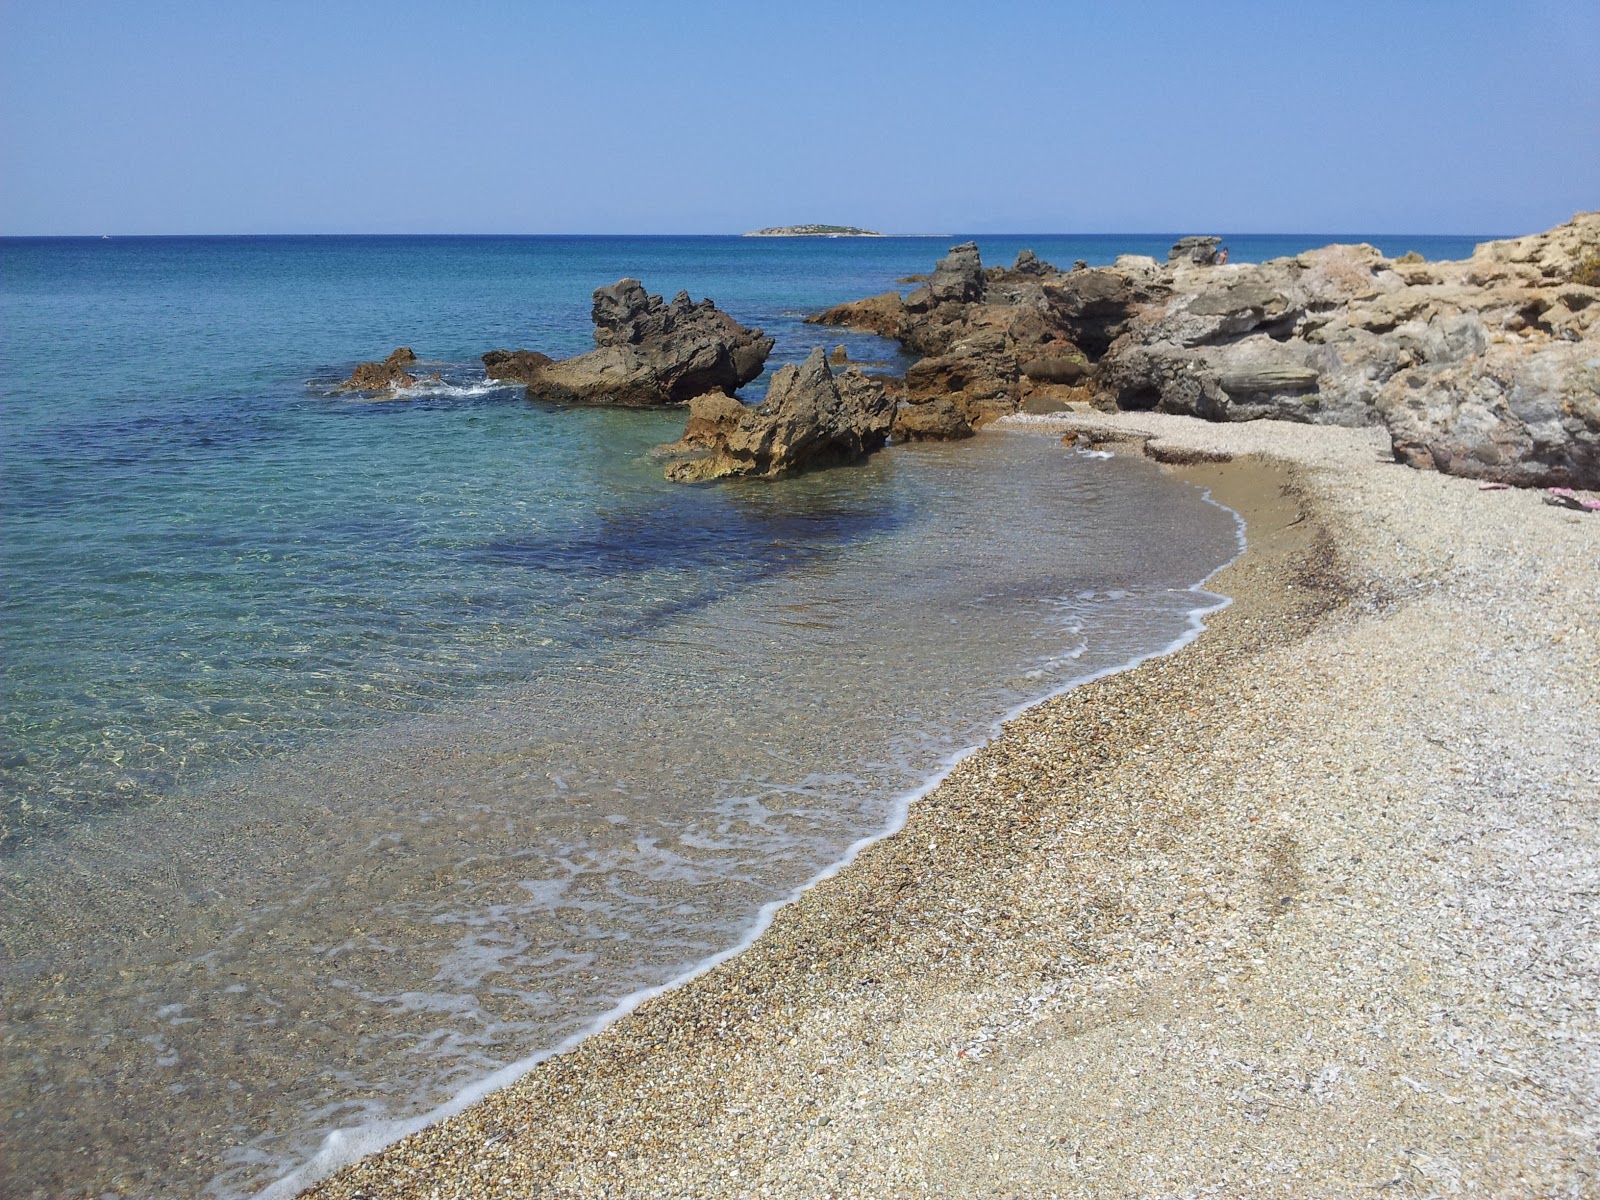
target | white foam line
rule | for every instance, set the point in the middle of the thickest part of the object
(345, 1146)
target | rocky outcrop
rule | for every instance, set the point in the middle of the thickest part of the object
(1484, 367)
(957, 278)
(514, 366)
(1202, 251)
(650, 353)
(810, 418)
(1029, 263)
(1516, 414)
(976, 329)
(382, 376)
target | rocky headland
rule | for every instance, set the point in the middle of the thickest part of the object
(1487, 367)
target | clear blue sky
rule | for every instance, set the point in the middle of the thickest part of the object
(704, 117)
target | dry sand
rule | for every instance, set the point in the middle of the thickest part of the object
(1308, 908)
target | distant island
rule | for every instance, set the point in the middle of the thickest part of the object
(813, 231)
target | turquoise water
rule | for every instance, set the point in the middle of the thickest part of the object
(206, 559)
(355, 750)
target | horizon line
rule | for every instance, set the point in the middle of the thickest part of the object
(843, 238)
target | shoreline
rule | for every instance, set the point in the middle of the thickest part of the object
(346, 1146)
(1154, 844)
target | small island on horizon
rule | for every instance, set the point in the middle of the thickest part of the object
(813, 231)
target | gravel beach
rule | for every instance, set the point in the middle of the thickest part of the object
(1307, 908)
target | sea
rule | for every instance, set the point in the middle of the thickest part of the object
(357, 753)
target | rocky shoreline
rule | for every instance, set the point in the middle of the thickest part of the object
(1488, 367)
(1297, 910)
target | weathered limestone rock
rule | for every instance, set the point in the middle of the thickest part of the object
(514, 366)
(810, 418)
(1525, 414)
(1057, 368)
(382, 376)
(652, 353)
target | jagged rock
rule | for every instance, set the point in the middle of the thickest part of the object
(977, 375)
(652, 353)
(972, 349)
(1202, 251)
(957, 278)
(810, 418)
(1483, 367)
(382, 376)
(514, 366)
(839, 356)
(1029, 263)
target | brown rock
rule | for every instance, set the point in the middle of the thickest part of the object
(883, 315)
(514, 366)
(809, 419)
(931, 420)
(382, 376)
(1057, 368)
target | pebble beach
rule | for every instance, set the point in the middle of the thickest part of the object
(1304, 908)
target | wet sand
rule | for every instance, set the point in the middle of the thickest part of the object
(1306, 908)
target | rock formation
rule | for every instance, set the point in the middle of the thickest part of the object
(384, 375)
(514, 366)
(978, 330)
(651, 353)
(810, 418)
(1485, 367)
(1200, 250)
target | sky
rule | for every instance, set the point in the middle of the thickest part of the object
(1406, 116)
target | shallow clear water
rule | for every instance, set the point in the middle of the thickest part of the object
(354, 750)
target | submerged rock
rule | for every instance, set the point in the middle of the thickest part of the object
(650, 353)
(810, 418)
(384, 375)
(514, 366)
(884, 315)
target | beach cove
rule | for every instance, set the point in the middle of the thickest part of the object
(1299, 909)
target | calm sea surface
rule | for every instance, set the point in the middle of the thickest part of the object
(355, 751)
